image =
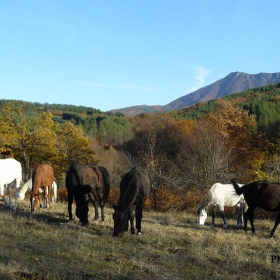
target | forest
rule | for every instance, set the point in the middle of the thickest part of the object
(181, 151)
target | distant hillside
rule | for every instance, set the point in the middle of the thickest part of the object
(262, 102)
(232, 83)
(139, 109)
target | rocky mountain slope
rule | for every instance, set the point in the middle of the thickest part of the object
(232, 83)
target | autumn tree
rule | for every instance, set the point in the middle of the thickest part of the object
(154, 149)
(15, 133)
(40, 140)
(72, 145)
(41, 145)
(242, 137)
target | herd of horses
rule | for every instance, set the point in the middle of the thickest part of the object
(85, 183)
(89, 182)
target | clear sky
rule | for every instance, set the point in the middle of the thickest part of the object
(110, 54)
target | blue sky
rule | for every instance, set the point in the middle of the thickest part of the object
(114, 54)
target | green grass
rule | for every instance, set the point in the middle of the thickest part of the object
(43, 245)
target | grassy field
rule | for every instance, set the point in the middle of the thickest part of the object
(44, 245)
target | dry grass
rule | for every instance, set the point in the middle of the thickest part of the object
(44, 245)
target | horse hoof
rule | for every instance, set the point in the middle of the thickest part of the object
(139, 233)
(225, 226)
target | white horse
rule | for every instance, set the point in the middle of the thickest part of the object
(221, 195)
(10, 175)
(28, 187)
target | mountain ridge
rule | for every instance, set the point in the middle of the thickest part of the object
(234, 82)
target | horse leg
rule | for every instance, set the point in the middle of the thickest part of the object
(275, 225)
(223, 216)
(250, 215)
(138, 211)
(70, 202)
(95, 205)
(131, 218)
(101, 203)
(240, 208)
(3, 195)
(16, 193)
(49, 196)
(9, 195)
(213, 215)
(44, 199)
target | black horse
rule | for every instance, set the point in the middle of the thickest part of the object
(134, 190)
(260, 194)
(90, 180)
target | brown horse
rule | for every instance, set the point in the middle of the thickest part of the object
(42, 177)
(134, 190)
(91, 180)
(260, 194)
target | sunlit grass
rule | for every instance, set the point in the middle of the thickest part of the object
(44, 245)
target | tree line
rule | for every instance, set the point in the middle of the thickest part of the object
(178, 153)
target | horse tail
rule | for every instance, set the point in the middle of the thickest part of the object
(54, 189)
(106, 182)
(238, 190)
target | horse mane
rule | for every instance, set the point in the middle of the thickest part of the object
(106, 182)
(207, 199)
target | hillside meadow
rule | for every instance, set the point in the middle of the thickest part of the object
(44, 245)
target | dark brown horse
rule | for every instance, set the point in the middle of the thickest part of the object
(134, 190)
(42, 177)
(260, 194)
(90, 180)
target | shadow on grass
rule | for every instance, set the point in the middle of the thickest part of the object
(42, 216)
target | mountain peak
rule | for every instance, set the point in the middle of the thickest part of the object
(232, 83)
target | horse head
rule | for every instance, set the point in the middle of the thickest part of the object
(202, 215)
(82, 213)
(34, 201)
(120, 221)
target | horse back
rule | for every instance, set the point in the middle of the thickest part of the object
(99, 179)
(10, 169)
(42, 176)
(265, 195)
(224, 195)
(134, 189)
(91, 176)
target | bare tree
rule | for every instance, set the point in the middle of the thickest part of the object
(204, 156)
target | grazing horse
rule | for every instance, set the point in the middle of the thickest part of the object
(28, 187)
(91, 180)
(42, 177)
(10, 175)
(221, 195)
(260, 194)
(134, 190)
